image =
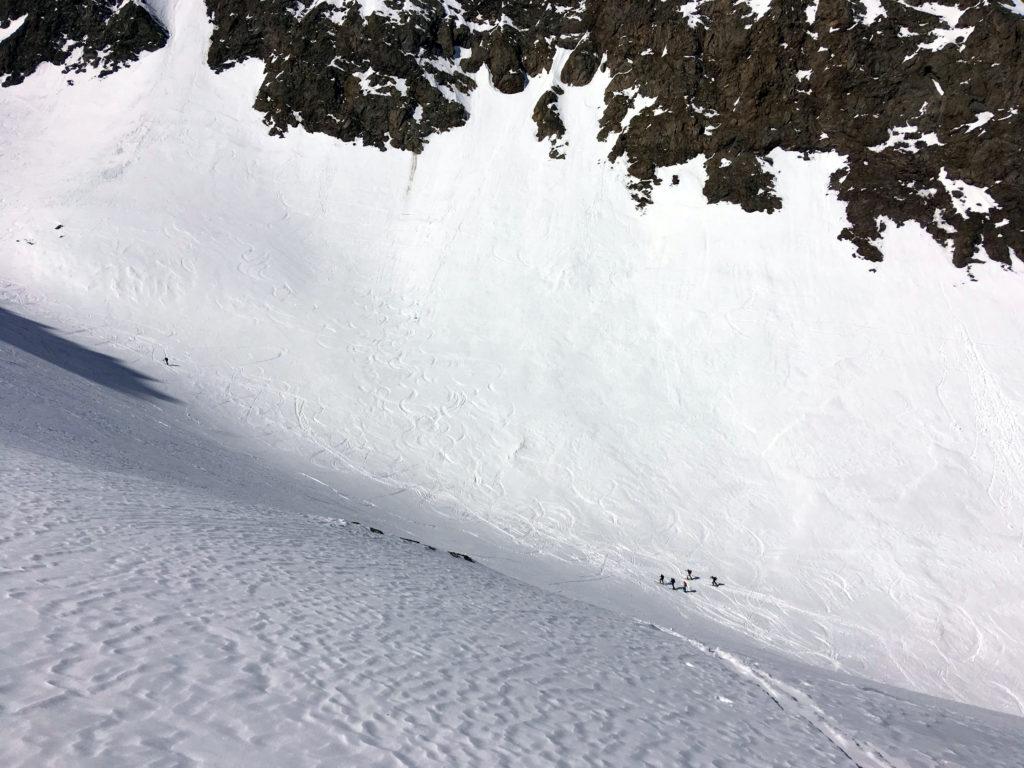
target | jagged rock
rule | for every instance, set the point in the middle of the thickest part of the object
(744, 180)
(581, 66)
(927, 114)
(380, 80)
(76, 35)
(549, 122)
(500, 50)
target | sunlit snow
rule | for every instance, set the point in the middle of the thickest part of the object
(513, 351)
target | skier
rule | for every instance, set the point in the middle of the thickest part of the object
(684, 586)
(166, 361)
(714, 581)
(672, 582)
(689, 573)
(661, 579)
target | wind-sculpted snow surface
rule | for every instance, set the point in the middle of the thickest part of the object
(556, 379)
(158, 616)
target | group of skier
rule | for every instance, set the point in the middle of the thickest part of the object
(671, 582)
(686, 582)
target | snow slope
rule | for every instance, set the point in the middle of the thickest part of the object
(588, 394)
(170, 600)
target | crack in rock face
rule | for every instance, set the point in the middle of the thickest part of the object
(923, 99)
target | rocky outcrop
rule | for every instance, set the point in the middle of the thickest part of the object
(382, 79)
(743, 179)
(923, 100)
(549, 122)
(76, 35)
(581, 66)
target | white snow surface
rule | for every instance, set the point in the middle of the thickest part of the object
(758, 7)
(11, 27)
(900, 138)
(873, 11)
(982, 119)
(488, 343)
(952, 34)
(170, 600)
(967, 198)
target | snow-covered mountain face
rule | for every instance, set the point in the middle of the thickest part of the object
(105, 35)
(923, 99)
(168, 600)
(517, 352)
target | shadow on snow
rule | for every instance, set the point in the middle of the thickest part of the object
(43, 342)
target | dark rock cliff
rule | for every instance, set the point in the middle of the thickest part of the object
(76, 35)
(923, 100)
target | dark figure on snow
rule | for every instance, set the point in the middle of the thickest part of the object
(661, 579)
(684, 586)
(166, 361)
(672, 582)
(689, 573)
(714, 581)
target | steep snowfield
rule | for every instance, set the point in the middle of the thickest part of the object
(170, 600)
(588, 394)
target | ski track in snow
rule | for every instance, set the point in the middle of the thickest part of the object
(798, 704)
(556, 377)
(154, 626)
(167, 600)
